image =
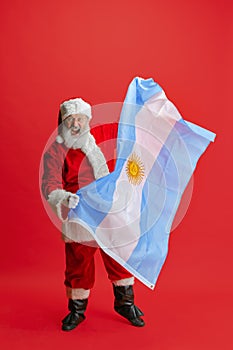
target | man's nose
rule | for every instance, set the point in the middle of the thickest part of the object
(75, 122)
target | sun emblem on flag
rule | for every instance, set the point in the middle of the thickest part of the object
(135, 169)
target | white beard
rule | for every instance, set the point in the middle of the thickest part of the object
(75, 141)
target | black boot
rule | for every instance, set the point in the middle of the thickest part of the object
(77, 308)
(124, 305)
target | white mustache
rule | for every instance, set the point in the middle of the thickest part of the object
(76, 129)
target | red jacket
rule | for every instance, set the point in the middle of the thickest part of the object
(70, 169)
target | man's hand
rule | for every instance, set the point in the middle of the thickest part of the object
(72, 200)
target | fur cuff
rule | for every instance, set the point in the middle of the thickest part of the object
(55, 200)
(66, 239)
(77, 293)
(95, 157)
(124, 282)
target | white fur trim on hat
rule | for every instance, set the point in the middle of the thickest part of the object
(75, 106)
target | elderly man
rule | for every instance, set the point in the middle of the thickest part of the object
(74, 160)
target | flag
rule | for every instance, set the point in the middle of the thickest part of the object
(130, 212)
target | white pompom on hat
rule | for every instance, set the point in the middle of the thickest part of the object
(75, 106)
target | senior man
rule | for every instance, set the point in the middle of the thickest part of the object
(72, 161)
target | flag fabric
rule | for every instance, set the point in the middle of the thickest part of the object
(130, 212)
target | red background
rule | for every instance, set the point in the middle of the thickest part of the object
(53, 50)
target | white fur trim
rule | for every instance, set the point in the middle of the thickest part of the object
(77, 233)
(66, 239)
(95, 157)
(77, 293)
(75, 106)
(124, 282)
(55, 199)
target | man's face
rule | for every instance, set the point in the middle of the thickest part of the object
(75, 130)
(76, 123)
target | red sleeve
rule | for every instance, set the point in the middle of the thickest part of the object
(52, 174)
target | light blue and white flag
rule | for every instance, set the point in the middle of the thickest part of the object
(130, 212)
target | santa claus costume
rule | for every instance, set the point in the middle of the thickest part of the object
(72, 161)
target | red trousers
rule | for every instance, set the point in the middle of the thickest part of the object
(80, 266)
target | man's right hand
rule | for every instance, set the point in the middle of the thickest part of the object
(71, 201)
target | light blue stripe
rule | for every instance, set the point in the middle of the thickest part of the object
(201, 131)
(139, 92)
